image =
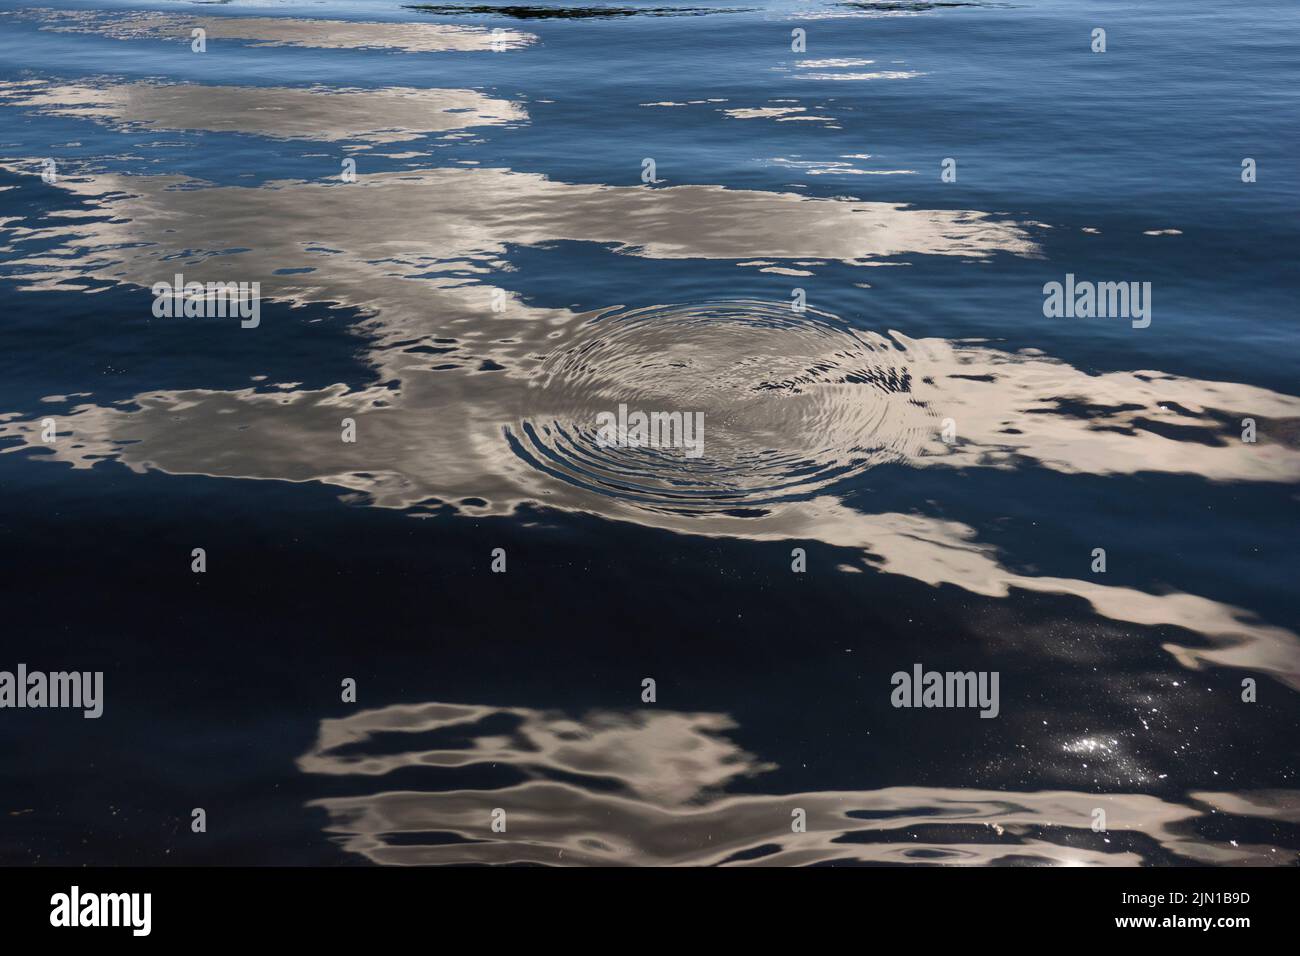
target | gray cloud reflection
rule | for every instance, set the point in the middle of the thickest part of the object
(647, 787)
(405, 37)
(796, 403)
(387, 115)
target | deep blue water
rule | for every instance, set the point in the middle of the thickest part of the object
(514, 177)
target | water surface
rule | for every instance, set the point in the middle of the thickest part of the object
(462, 250)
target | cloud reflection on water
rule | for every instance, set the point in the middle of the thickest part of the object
(647, 787)
(386, 115)
(405, 37)
(415, 252)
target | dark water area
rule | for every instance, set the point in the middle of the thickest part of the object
(914, 468)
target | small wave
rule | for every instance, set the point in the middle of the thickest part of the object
(592, 12)
(792, 403)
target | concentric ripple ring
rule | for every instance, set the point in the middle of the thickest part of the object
(792, 405)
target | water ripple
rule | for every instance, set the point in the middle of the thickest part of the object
(792, 404)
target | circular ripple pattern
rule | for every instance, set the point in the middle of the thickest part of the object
(792, 404)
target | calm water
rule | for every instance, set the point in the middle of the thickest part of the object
(558, 210)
